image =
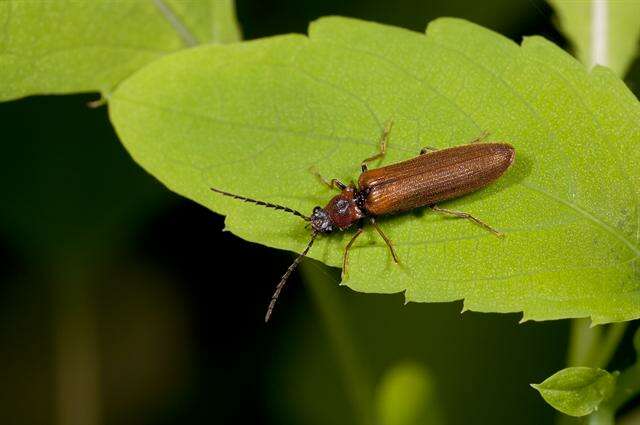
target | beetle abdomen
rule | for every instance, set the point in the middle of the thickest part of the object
(434, 177)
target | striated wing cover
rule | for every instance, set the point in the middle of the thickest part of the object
(434, 177)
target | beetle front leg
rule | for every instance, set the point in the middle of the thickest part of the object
(383, 146)
(345, 257)
(386, 239)
(467, 216)
(332, 184)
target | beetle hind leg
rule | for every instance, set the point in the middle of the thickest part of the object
(383, 146)
(469, 217)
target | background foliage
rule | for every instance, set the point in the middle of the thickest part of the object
(131, 313)
(616, 25)
(98, 44)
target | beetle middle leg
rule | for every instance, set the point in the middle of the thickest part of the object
(386, 239)
(467, 216)
(332, 184)
(383, 146)
(345, 256)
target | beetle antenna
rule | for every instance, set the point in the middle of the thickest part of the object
(285, 277)
(264, 204)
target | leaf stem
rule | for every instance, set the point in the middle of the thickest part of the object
(627, 387)
(188, 39)
(75, 344)
(592, 346)
(602, 416)
(599, 33)
(603, 352)
(582, 340)
(357, 380)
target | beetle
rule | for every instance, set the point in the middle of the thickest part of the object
(425, 180)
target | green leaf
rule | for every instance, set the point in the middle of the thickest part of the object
(577, 391)
(603, 32)
(406, 396)
(67, 46)
(252, 118)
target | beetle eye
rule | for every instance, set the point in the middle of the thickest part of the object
(316, 209)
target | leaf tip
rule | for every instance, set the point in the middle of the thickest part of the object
(465, 306)
(445, 23)
(328, 23)
(316, 22)
(596, 321)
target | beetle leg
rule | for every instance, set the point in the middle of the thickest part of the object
(467, 216)
(427, 149)
(480, 138)
(345, 257)
(383, 146)
(386, 239)
(332, 184)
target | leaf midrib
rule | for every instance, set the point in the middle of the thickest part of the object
(594, 219)
(187, 37)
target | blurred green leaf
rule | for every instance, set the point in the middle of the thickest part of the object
(252, 118)
(577, 391)
(68, 187)
(628, 383)
(636, 341)
(356, 374)
(470, 371)
(406, 396)
(91, 45)
(602, 32)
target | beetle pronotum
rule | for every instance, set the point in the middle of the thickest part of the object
(425, 180)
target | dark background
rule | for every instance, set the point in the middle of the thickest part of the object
(123, 303)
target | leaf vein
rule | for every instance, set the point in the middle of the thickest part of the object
(534, 112)
(607, 145)
(185, 35)
(590, 217)
(422, 81)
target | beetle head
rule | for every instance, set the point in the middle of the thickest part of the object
(321, 221)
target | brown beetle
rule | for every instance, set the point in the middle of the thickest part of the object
(431, 177)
